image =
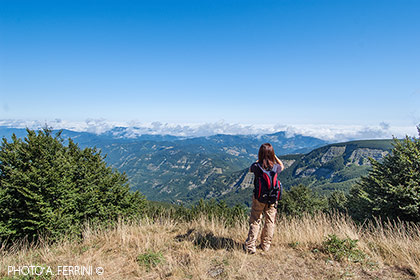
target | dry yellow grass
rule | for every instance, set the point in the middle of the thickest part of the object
(206, 249)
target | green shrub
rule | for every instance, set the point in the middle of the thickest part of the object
(337, 201)
(342, 249)
(150, 259)
(210, 208)
(219, 210)
(300, 200)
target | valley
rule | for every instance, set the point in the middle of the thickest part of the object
(183, 170)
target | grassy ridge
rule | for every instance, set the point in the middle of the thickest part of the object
(208, 249)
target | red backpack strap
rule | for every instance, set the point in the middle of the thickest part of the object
(267, 179)
(275, 179)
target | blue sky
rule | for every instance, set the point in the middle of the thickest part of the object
(249, 62)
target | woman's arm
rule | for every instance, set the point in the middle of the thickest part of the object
(279, 162)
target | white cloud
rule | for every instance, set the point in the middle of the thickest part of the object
(333, 133)
(339, 133)
(384, 125)
(196, 130)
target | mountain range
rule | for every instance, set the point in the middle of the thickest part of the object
(183, 170)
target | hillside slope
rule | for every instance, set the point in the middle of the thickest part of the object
(332, 167)
(189, 169)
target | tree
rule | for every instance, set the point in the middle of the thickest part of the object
(299, 200)
(53, 189)
(391, 190)
(337, 201)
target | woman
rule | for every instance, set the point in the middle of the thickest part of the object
(267, 160)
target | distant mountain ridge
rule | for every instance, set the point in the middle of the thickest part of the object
(172, 168)
(183, 170)
(282, 143)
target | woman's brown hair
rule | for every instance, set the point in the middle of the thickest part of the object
(266, 156)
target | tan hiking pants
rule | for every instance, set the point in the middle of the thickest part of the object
(257, 211)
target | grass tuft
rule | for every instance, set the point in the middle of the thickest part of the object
(150, 259)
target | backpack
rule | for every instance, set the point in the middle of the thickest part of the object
(268, 188)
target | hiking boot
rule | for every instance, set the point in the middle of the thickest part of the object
(263, 248)
(248, 250)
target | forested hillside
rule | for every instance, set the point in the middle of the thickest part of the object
(326, 169)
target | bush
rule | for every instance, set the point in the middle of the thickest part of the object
(342, 249)
(219, 210)
(150, 259)
(300, 200)
(337, 201)
(210, 208)
(51, 189)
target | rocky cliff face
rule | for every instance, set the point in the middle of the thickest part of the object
(332, 152)
(336, 158)
(361, 156)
